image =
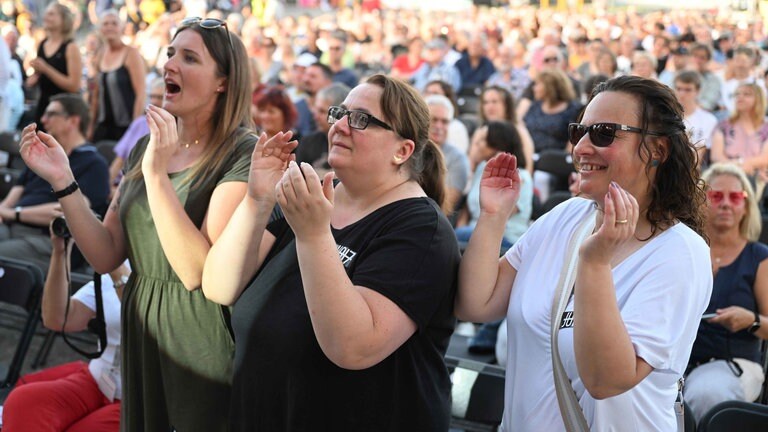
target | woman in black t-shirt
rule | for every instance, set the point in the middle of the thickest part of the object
(347, 328)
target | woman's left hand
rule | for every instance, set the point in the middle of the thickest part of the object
(306, 203)
(163, 141)
(734, 318)
(620, 216)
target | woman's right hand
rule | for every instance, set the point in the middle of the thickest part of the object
(269, 161)
(45, 156)
(500, 185)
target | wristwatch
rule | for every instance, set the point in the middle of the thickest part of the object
(755, 325)
(18, 214)
(121, 282)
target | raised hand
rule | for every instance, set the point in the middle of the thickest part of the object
(306, 203)
(45, 156)
(621, 213)
(500, 185)
(40, 65)
(163, 141)
(268, 163)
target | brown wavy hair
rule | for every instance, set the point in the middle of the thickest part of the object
(677, 191)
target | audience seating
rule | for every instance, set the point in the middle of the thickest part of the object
(477, 394)
(735, 416)
(468, 104)
(10, 147)
(41, 358)
(21, 286)
(558, 163)
(107, 149)
(471, 122)
(8, 178)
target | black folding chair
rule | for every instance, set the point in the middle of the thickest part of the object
(735, 416)
(10, 147)
(477, 394)
(559, 163)
(8, 177)
(21, 286)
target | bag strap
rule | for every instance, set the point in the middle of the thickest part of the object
(570, 410)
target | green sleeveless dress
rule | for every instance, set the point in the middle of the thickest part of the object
(177, 346)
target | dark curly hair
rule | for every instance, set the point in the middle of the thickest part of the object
(677, 192)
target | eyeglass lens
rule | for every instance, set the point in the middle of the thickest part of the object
(600, 134)
(717, 197)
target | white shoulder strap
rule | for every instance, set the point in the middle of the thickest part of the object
(570, 410)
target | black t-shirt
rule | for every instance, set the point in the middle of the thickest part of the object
(90, 171)
(283, 381)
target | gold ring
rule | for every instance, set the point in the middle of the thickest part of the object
(621, 222)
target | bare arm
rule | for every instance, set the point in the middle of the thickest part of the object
(56, 291)
(355, 327)
(39, 215)
(103, 245)
(184, 245)
(10, 200)
(485, 281)
(717, 152)
(244, 242)
(137, 72)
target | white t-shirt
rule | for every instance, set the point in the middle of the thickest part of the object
(106, 367)
(662, 290)
(700, 125)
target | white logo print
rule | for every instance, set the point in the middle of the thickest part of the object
(346, 255)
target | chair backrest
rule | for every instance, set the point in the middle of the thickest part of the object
(107, 149)
(559, 163)
(735, 416)
(468, 104)
(9, 151)
(21, 284)
(477, 394)
(8, 178)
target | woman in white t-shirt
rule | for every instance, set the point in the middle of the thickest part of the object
(642, 275)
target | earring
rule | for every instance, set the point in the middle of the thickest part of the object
(655, 163)
(398, 159)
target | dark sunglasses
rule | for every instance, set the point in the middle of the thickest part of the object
(208, 24)
(356, 119)
(716, 197)
(550, 59)
(601, 134)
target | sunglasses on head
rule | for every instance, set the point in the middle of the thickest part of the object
(716, 197)
(601, 134)
(208, 24)
(356, 119)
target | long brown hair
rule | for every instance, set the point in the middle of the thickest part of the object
(232, 112)
(408, 114)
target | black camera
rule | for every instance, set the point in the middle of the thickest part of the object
(60, 228)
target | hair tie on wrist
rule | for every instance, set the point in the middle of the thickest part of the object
(66, 191)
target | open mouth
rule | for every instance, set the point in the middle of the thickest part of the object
(171, 87)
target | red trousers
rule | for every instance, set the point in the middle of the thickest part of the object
(57, 399)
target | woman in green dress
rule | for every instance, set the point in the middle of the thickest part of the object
(182, 184)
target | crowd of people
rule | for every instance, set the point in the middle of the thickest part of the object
(299, 208)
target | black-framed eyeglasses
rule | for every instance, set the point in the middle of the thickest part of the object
(208, 24)
(601, 134)
(356, 119)
(54, 113)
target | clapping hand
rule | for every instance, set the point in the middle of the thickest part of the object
(45, 156)
(620, 215)
(163, 141)
(500, 185)
(268, 163)
(306, 203)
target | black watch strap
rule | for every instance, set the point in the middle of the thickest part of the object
(755, 325)
(67, 190)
